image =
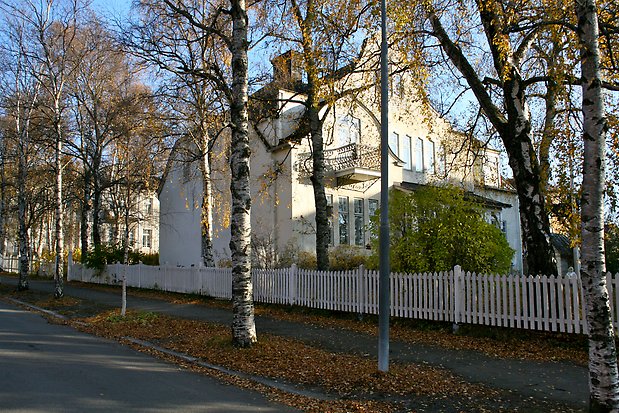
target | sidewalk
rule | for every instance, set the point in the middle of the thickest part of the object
(554, 381)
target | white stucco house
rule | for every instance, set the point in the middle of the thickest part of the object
(143, 222)
(424, 150)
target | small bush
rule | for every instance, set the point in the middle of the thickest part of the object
(347, 257)
(293, 255)
(341, 257)
(224, 263)
(149, 259)
(307, 260)
(102, 255)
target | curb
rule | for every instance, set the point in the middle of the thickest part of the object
(258, 379)
(37, 308)
(274, 384)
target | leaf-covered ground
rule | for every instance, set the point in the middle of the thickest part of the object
(493, 341)
(349, 382)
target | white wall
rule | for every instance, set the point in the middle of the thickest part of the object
(511, 216)
(283, 211)
(179, 219)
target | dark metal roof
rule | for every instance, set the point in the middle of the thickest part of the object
(561, 243)
(486, 202)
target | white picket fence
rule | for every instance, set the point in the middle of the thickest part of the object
(9, 263)
(530, 302)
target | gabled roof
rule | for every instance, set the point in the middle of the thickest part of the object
(184, 140)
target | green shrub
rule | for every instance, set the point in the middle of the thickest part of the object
(102, 255)
(149, 259)
(434, 229)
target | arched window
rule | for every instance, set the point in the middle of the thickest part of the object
(348, 130)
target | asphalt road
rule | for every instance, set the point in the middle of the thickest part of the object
(562, 382)
(53, 368)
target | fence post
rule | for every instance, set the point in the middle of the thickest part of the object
(292, 284)
(69, 265)
(361, 294)
(82, 272)
(458, 295)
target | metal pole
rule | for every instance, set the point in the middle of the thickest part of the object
(383, 299)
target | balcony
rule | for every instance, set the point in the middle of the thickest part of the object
(350, 164)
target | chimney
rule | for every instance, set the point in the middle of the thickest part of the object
(288, 68)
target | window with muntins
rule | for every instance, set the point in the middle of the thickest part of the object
(372, 208)
(419, 164)
(359, 222)
(330, 217)
(147, 238)
(348, 130)
(405, 155)
(343, 220)
(394, 143)
(148, 207)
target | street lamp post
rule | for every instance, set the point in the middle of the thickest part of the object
(383, 299)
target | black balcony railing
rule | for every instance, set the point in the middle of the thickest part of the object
(344, 163)
(352, 156)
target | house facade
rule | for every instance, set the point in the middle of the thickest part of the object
(424, 150)
(143, 222)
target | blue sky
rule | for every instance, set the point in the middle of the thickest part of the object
(113, 7)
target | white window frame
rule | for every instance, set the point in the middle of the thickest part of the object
(359, 221)
(406, 153)
(348, 129)
(147, 238)
(419, 155)
(343, 220)
(394, 143)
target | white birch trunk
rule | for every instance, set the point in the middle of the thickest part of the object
(58, 232)
(207, 205)
(2, 197)
(22, 126)
(21, 213)
(603, 374)
(123, 298)
(243, 325)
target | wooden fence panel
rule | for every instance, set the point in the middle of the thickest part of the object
(551, 303)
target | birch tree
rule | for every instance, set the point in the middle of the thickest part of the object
(603, 374)
(54, 25)
(96, 91)
(227, 29)
(243, 325)
(182, 51)
(136, 155)
(21, 90)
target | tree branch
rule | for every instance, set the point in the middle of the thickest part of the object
(460, 61)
